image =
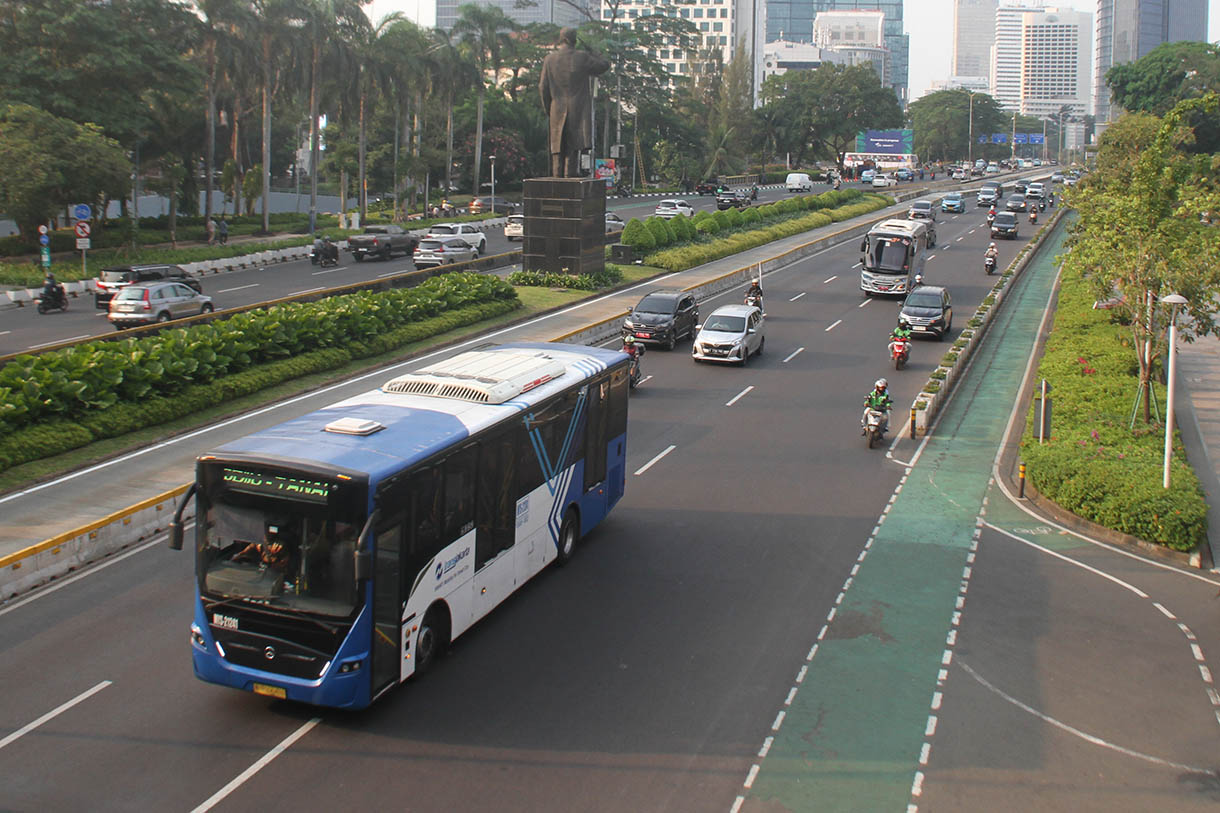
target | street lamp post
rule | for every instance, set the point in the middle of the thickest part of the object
(970, 137)
(492, 158)
(1176, 300)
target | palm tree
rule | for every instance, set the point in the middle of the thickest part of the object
(330, 27)
(482, 32)
(453, 74)
(275, 26)
(219, 23)
(375, 68)
(412, 77)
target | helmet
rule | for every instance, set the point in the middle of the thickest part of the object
(881, 384)
(50, 277)
(629, 340)
(991, 245)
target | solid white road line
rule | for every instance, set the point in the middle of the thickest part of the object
(6, 332)
(390, 274)
(793, 355)
(831, 279)
(1070, 561)
(238, 288)
(327, 271)
(306, 291)
(58, 583)
(57, 341)
(21, 732)
(652, 462)
(798, 296)
(284, 745)
(832, 327)
(739, 395)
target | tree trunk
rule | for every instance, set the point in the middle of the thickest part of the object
(478, 141)
(448, 149)
(234, 145)
(362, 192)
(343, 191)
(173, 209)
(314, 144)
(266, 135)
(210, 148)
(394, 189)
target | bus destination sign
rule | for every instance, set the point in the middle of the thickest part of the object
(274, 485)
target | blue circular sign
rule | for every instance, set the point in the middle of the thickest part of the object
(82, 211)
(44, 239)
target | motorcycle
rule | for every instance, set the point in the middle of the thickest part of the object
(989, 264)
(57, 302)
(1033, 216)
(1042, 204)
(634, 372)
(900, 351)
(990, 219)
(874, 425)
(754, 300)
(328, 255)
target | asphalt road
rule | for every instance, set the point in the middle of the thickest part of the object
(23, 329)
(648, 674)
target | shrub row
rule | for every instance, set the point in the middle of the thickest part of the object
(1093, 465)
(611, 275)
(74, 381)
(678, 259)
(60, 435)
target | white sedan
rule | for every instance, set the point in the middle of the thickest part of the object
(671, 208)
(881, 180)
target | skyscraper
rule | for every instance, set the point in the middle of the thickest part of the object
(1056, 62)
(792, 20)
(1006, 54)
(541, 11)
(1129, 29)
(973, 36)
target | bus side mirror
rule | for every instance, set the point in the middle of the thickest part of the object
(364, 566)
(175, 524)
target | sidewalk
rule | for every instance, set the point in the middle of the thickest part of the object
(1198, 420)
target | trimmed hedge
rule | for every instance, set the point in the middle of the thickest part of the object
(74, 381)
(612, 275)
(690, 255)
(61, 435)
(1093, 465)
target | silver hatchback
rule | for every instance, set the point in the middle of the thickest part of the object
(159, 302)
(434, 251)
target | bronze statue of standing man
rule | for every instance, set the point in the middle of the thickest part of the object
(568, 98)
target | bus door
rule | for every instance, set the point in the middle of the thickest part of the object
(495, 552)
(387, 608)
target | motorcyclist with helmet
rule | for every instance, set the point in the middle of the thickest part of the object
(991, 258)
(902, 332)
(754, 295)
(991, 215)
(1033, 214)
(53, 292)
(878, 399)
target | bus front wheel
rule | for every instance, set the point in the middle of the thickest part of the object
(569, 532)
(432, 640)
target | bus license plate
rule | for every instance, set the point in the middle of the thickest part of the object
(270, 691)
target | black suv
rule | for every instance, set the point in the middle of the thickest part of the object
(928, 310)
(729, 198)
(663, 317)
(116, 278)
(1004, 225)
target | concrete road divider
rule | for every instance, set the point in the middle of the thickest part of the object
(60, 555)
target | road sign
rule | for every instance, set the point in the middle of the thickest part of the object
(46, 257)
(42, 229)
(82, 211)
(82, 228)
(82, 243)
(44, 239)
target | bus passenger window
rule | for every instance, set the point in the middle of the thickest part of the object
(459, 492)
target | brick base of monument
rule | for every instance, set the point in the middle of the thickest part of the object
(565, 225)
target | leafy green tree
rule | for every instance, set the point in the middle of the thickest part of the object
(51, 163)
(1142, 234)
(483, 32)
(942, 123)
(1166, 75)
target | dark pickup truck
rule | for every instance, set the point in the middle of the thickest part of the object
(381, 241)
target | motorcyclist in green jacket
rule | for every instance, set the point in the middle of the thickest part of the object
(879, 400)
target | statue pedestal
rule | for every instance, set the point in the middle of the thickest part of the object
(565, 225)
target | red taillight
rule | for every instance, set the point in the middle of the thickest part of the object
(375, 243)
(147, 303)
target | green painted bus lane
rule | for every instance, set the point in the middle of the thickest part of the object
(850, 738)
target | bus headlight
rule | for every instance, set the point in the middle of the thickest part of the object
(349, 666)
(197, 638)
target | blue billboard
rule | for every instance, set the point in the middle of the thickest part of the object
(888, 142)
(1037, 138)
(999, 138)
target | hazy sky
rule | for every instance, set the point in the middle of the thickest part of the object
(929, 22)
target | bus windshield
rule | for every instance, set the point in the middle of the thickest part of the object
(295, 552)
(889, 254)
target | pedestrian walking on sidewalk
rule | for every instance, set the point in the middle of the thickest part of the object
(210, 227)
(223, 231)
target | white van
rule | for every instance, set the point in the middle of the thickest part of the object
(799, 182)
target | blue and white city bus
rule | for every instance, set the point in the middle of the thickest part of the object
(340, 552)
